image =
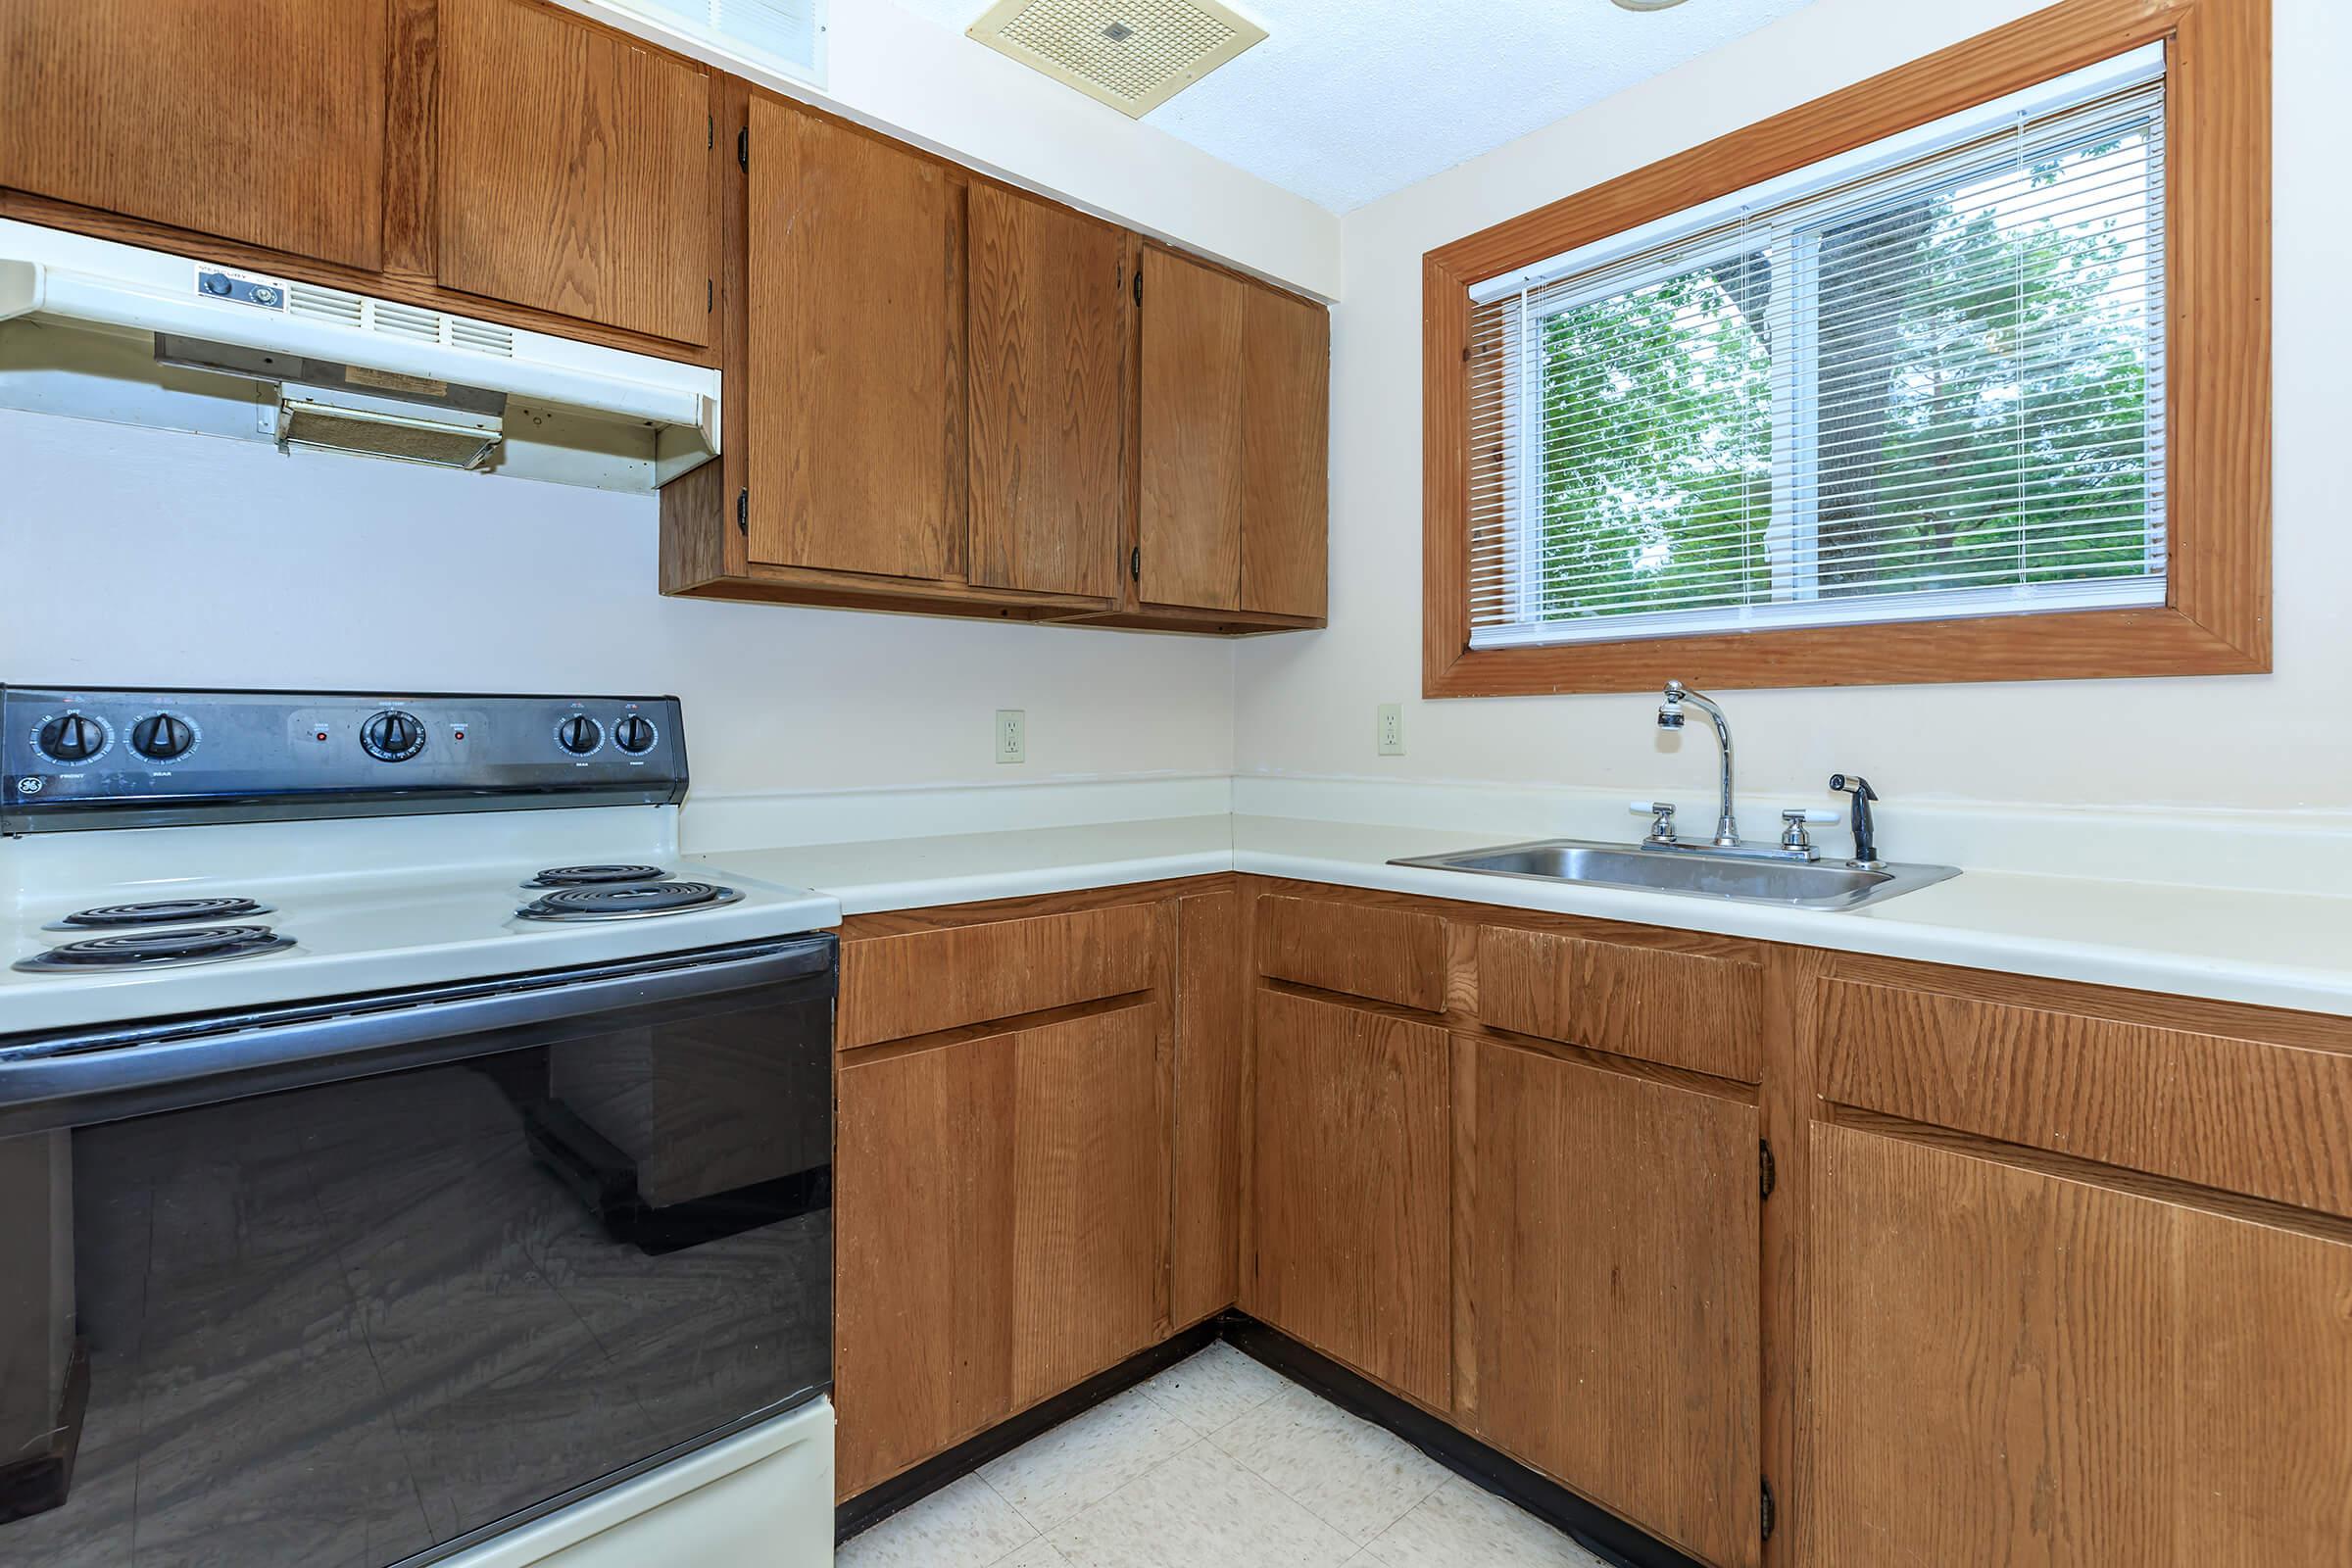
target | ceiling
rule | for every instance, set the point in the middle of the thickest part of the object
(1348, 100)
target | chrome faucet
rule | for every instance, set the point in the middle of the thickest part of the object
(1670, 717)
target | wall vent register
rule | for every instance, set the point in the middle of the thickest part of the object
(1919, 380)
(1133, 55)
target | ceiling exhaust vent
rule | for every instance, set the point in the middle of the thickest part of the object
(1133, 55)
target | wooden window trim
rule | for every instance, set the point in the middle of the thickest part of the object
(2217, 616)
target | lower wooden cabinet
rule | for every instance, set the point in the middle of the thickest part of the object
(1612, 1256)
(2019, 1367)
(1349, 1189)
(1002, 1206)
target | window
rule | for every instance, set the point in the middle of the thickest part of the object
(1810, 427)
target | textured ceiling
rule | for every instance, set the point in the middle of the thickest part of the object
(1348, 100)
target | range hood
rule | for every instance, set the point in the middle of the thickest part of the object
(113, 331)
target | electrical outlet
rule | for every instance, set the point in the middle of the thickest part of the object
(1013, 735)
(1390, 729)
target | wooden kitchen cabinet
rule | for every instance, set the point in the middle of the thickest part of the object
(261, 120)
(1613, 1270)
(1235, 428)
(1049, 327)
(574, 170)
(854, 383)
(2028, 1365)
(1001, 1205)
(1349, 1189)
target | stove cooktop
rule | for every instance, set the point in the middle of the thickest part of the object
(628, 900)
(160, 911)
(158, 949)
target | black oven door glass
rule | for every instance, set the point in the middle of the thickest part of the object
(367, 1318)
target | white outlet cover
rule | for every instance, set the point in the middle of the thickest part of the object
(1013, 735)
(1389, 729)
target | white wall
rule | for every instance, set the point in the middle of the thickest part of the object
(133, 557)
(907, 74)
(1305, 704)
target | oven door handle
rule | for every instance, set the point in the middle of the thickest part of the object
(44, 1091)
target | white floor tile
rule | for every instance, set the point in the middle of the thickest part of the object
(1217, 1386)
(1347, 1472)
(1087, 1459)
(963, 1525)
(1039, 1553)
(1460, 1524)
(1199, 1510)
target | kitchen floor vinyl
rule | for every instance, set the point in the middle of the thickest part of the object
(1217, 1463)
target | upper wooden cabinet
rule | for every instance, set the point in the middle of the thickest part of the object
(574, 170)
(261, 120)
(957, 399)
(853, 384)
(1047, 396)
(1235, 420)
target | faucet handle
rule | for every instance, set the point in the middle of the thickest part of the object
(1661, 814)
(1793, 819)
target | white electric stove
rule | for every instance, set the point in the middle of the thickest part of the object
(433, 1168)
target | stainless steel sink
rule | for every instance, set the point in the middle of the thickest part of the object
(1798, 884)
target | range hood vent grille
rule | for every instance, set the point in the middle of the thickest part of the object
(1133, 55)
(410, 322)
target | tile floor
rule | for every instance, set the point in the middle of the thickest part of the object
(1218, 1462)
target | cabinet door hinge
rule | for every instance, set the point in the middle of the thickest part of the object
(1770, 1515)
(1139, 285)
(1134, 563)
(1768, 1170)
(710, 130)
(742, 512)
(710, 295)
(743, 147)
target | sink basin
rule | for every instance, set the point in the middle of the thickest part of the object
(1815, 885)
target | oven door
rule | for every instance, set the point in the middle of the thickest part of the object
(370, 1281)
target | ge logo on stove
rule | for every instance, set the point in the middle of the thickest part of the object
(29, 786)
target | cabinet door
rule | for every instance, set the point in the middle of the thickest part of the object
(1190, 526)
(1285, 421)
(1048, 396)
(2023, 1368)
(574, 170)
(1209, 997)
(1349, 1189)
(1615, 1263)
(1002, 1206)
(923, 1256)
(260, 120)
(854, 383)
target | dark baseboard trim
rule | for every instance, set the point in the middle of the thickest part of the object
(1592, 1527)
(879, 1501)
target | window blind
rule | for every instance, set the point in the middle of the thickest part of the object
(1924, 380)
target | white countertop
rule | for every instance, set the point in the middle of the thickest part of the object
(2269, 948)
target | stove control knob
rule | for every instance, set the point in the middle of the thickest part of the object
(392, 736)
(162, 737)
(579, 735)
(72, 738)
(634, 735)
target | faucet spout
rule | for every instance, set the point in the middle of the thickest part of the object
(1670, 717)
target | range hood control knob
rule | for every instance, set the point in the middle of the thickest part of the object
(634, 735)
(579, 735)
(72, 738)
(392, 736)
(162, 737)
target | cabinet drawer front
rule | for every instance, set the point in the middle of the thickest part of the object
(1684, 1009)
(1387, 955)
(2244, 1115)
(897, 986)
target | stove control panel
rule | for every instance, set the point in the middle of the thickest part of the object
(111, 756)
